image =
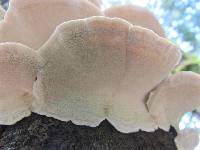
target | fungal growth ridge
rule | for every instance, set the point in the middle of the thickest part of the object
(137, 16)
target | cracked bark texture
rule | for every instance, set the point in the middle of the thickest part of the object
(42, 133)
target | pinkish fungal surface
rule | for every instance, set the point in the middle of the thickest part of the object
(75, 64)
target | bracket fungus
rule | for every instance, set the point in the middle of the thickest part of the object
(36, 27)
(85, 67)
(175, 96)
(187, 139)
(171, 100)
(19, 66)
(91, 73)
(137, 16)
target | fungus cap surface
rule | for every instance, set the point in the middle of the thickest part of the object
(94, 68)
(18, 66)
(36, 27)
(187, 139)
(174, 97)
(137, 16)
(149, 60)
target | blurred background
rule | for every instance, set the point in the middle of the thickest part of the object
(180, 20)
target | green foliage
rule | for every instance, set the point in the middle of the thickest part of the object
(181, 22)
(190, 62)
(182, 25)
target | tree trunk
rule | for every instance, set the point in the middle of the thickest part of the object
(42, 133)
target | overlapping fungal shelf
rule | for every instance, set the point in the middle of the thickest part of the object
(135, 15)
(38, 19)
(19, 66)
(64, 59)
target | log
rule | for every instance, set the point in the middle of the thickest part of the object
(42, 133)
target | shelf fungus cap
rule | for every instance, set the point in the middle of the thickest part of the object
(2, 13)
(149, 60)
(18, 66)
(36, 27)
(99, 68)
(187, 139)
(85, 62)
(137, 16)
(173, 98)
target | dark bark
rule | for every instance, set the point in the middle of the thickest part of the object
(42, 133)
